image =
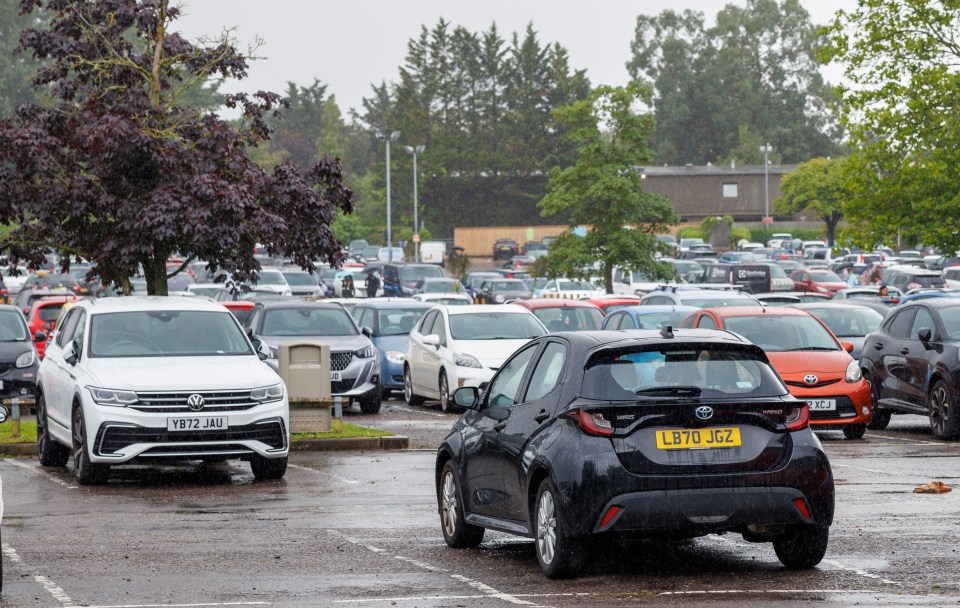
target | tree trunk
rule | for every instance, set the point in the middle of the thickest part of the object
(608, 278)
(831, 222)
(155, 271)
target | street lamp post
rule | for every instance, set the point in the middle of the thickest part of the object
(416, 221)
(393, 137)
(766, 149)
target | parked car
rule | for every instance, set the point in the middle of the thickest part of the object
(588, 436)
(241, 309)
(504, 249)
(433, 252)
(779, 299)
(43, 316)
(608, 303)
(951, 278)
(13, 283)
(701, 298)
(51, 281)
(19, 360)
(472, 281)
(751, 278)
(818, 280)
(500, 291)
(849, 322)
(273, 280)
(435, 285)
(394, 255)
(354, 368)
(445, 299)
(905, 278)
(356, 247)
(370, 254)
(564, 315)
(913, 365)
(303, 284)
(519, 262)
(815, 365)
(463, 346)
(535, 249)
(155, 378)
(405, 280)
(390, 324)
(569, 288)
(647, 317)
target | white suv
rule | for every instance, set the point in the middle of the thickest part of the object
(154, 378)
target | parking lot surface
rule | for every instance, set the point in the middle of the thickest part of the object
(361, 529)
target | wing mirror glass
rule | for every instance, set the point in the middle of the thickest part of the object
(925, 334)
(70, 354)
(3, 413)
(432, 340)
(40, 336)
(467, 397)
(847, 346)
(263, 350)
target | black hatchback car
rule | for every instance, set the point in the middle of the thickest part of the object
(671, 434)
(18, 355)
(913, 365)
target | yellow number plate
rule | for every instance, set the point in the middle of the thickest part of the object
(688, 439)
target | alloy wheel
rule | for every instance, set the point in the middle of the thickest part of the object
(449, 504)
(445, 404)
(407, 385)
(546, 528)
(939, 409)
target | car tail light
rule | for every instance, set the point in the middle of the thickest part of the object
(591, 423)
(801, 505)
(609, 516)
(798, 417)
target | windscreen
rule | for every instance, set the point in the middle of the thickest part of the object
(495, 326)
(776, 333)
(849, 323)
(307, 322)
(577, 285)
(12, 327)
(439, 286)
(270, 277)
(301, 278)
(825, 276)
(704, 371)
(569, 318)
(166, 333)
(516, 285)
(412, 274)
(398, 321)
(50, 312)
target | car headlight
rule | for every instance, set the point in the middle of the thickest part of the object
(267, 393)
(853, 372)
(366, 352)
(467, 361)
(395, 356)
(27, 359)
(106, 396)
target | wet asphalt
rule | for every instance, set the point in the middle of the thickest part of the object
(359, 529)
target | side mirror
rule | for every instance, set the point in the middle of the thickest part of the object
(40, 336)
(925, 335)
(263, 350)
(432, 340)
(467, 397)
(366, 331)
(3, 413)
(250, 334)
(847, 346)
(70, 354)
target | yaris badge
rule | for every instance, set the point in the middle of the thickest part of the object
(810, 379)
(704, 412)
(195, 402)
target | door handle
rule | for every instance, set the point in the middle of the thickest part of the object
(543, 415)
(878, 346)
(500, 426)
(904, 350)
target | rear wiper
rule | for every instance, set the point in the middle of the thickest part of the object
(685, 391)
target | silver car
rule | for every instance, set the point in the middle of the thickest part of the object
(354, 367)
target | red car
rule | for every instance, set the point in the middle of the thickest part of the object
(815, 366)
(818, 281)
(612, 302)
(43, 317)
(564, 315)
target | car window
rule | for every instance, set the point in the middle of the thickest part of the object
(502, 391)
(899, 325)
(613, 321)
(12, 327)
(706, 322)
(364, 317)
(775, 333)
(427, 322)
(397, 321)
(922, 319)
(440, 329)
(547, 374)
(78, 335)
(166, 333)
(495, 326)
(69, 326)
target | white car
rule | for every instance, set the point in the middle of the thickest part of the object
(153, 378)
(446, 299)
(569, 288)
(273, 279)
(456, 346)
(14, 283)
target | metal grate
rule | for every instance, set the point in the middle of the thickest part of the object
(818, 384)
(341, 386)
(176, 402)
(340, 361)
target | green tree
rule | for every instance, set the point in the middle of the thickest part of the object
(603, 189)
(721, 91)
(819, 186)
(901, 109)
(16, 69)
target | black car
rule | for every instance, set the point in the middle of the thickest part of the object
(504, 249)
(18, 356)
(913, 365)
(849, 321)
(672, 434)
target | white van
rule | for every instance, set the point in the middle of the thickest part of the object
(433, 252)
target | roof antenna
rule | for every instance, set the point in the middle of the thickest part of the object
(667, 331)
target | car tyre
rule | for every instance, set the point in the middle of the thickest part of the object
(87, 472)
(854, 431)
(456, 531)
(408, 394)
(803, 548)
(880, 418)
(558, 554)
(50, 452)
(266, 469)
(943, 411)
(371, 402)
(447, 405)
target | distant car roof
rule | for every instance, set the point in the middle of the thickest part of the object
(752, 311)
(555, 303)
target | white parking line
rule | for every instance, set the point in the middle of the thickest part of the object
(906, 441)
(49, 586)
(183, 605)
(850, 466)
(428, 413)
(487, 591)
(39, 471)
(321, 472)
(757, 591)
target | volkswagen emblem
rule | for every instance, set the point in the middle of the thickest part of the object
(810, 379)
(704, 412)
(195, 402)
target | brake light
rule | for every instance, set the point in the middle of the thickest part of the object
(608, 517)
(802, 507)
(798, 418)
(591, 423)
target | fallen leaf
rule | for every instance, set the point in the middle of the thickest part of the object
(934, 487)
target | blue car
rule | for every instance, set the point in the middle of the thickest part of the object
(390, 324)
(647, 317)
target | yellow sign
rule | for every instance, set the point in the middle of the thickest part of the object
(416, 238)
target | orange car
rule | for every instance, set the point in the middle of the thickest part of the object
(815, 366)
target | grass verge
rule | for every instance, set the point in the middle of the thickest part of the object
(28, 432)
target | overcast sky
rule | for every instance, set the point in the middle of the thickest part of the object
(351, 44)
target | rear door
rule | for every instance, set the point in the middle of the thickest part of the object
(889, 345)
(418, 353)
(918, 362)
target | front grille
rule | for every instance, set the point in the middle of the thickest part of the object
(112, 439)
(340, 361)
(817, 385)
(341, 386)
(197, 450)
(176, 402)
(845, 409)
(6, 367)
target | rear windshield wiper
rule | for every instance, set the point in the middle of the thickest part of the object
(680, 391)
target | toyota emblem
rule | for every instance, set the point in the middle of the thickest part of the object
(810, 379)
(195, 402)
(704, 412)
